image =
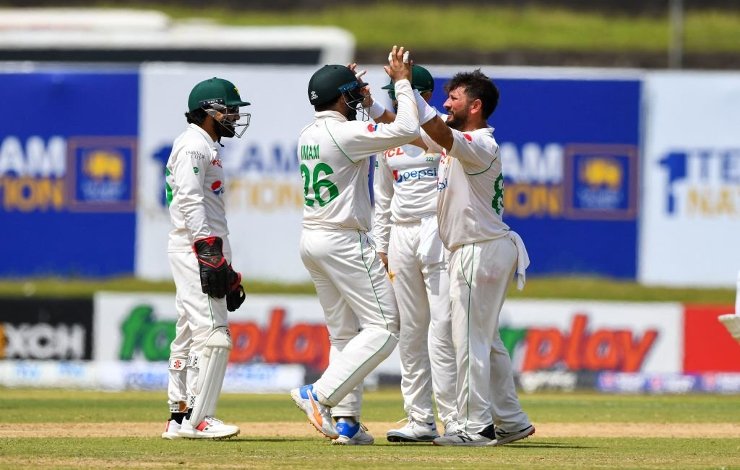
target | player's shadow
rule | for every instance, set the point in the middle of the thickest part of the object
(547, 445)
(281, 439)
(407, 445)
(530, 445)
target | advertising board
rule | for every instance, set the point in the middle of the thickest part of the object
(545, 335)
(709, 346)
(263, 192)
(569, 144)
(67, 171)
(569, 148)
(593, 336)
(34, 329)
(690, 213)
(267, 329)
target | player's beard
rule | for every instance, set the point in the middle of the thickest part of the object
(225, 129)
(457, 120)
(351, 113)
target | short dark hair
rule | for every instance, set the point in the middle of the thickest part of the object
(477, 86)
(326, 106)
(196, 116)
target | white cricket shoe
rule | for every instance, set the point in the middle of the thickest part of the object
(352, 434)
(451, 428)
(505, 437)
(413, 432)
(318, 415)
(171, 430)
(464, 438)
(209, 428)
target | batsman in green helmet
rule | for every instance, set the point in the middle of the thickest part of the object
(207, 287)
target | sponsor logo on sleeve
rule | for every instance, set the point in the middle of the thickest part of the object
(217, 187)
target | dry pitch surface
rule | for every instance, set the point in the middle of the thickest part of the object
(378, 429)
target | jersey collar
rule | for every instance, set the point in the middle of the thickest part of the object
(203, 133)
(330, 115)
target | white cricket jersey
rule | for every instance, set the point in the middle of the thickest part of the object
(405, 189)
(470, 202)
(334, 159)
(195, 190)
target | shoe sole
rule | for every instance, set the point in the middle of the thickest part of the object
(341, 442)
(514, 437)
(170, 437)
(211, 437)
(295, 395)
(403, 438)
(463, 444)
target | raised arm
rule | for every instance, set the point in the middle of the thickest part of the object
(433, 125)
(361, 140)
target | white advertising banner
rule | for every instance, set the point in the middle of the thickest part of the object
(264, 191)
(690, 214)
(541, 335)
(578, 336)
(266, 329)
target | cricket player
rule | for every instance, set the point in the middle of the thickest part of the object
(200, 258)
(484, 256)
(350, 279)
(405, 228)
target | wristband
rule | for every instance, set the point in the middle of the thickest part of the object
(375, 110)
(426, 112)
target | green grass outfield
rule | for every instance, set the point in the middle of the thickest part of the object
(589, 288)
(76, 429)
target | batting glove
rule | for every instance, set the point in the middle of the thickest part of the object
(214, 270)
(235, 297)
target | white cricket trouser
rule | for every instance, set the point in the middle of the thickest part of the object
(425, 343)
(480, 274)
(197, 316)
(360, 311)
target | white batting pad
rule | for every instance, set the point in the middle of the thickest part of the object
(212, 365)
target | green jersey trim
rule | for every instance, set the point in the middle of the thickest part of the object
(326, 125)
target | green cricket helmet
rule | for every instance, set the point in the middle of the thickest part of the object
(220, 98)
(332, 81)
(421, 80)
(214, 91)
